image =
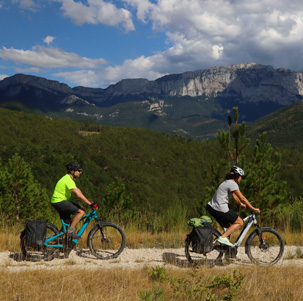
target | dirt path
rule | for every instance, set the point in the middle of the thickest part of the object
(129, 259)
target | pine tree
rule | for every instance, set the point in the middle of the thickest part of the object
(21, 197)
(262, 187)
(118, 202)
(234, 141)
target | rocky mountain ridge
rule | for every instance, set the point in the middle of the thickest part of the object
(191, 102)
(248, 82)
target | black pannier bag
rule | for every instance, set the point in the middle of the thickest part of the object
(34, 234)
(202, 239)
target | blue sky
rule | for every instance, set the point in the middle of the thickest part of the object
(95, 43)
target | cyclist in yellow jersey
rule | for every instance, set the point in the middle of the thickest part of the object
(62, 193)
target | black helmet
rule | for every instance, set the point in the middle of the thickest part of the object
(73, 166)
(237, 171)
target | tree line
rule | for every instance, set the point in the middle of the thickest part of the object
(155, 179)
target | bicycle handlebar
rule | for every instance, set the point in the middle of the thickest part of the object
(254, 212)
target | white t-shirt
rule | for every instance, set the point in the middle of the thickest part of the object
(221, 198)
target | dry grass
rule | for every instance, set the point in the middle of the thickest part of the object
(260, 283)
(292, 238)
(272, 283)
(137, 239)
(10, 238)
(72, 283)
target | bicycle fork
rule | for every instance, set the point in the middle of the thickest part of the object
(101, 230)
(262, 243)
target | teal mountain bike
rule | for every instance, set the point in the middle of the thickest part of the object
(105, 240)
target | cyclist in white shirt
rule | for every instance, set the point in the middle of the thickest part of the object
(218, 206)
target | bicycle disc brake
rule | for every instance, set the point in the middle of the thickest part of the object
(263, 245)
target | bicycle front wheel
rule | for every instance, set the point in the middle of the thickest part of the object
(31, 253)
(265, 248)
(106, 240)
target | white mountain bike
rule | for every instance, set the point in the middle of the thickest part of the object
(264, 245)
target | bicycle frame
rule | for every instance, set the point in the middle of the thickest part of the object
(264, 245)
(251, 219)
(87, 219)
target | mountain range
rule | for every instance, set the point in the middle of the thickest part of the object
(193, 104)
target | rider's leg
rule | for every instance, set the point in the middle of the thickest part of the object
(77, 218)
(66, 221)
(234, 227)
(71, 231)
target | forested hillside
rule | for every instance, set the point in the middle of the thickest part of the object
(285, 133)
(284, 127)
(159, 171)
(150, 174)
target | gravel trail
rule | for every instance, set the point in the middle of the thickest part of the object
(132, 259)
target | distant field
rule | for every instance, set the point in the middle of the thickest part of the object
(87, 133)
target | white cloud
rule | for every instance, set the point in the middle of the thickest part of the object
(28, 70)
(3, 76)
(199, 34)
(217, 51)
(28, 4)
(45, 57)
(25, 4)
(204, 33)
(97, 11)
(143, 7)
(142, 67)
(48, 40)
(86, 78)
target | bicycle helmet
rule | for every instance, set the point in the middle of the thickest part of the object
(73, 166)
(237, 171)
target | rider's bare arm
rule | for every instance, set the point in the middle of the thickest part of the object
(239, 197)
(238, 201)
(80, 195)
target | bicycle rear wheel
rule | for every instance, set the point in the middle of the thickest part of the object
(213, 256)
(44, 253)
(266, 248)
(106, 240)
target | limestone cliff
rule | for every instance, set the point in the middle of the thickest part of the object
(248, 82)
(242, 83)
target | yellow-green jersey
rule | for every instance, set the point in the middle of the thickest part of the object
(63, 189)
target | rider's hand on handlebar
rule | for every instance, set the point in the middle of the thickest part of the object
(93, 205)
(243, 205)
(257, 210)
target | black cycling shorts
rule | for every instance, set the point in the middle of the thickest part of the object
(66, 208)
(225, 219)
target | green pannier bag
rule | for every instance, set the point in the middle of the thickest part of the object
(203, 221)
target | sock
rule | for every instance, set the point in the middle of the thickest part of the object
(71, 230)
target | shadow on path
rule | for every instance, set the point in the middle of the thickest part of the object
(85, 253)
(182, 262)
(19, 257)
(36, 257)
